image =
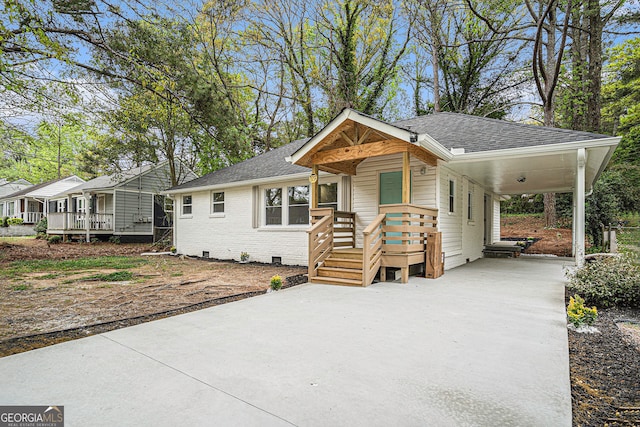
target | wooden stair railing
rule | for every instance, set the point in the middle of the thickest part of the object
(320, 244)
(372, 249)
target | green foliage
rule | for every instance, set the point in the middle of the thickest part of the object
(54, 240)
(580, 315)
(523, 204)
(114, 239)
(276, 282)
(117, 276)
(21, 287)
(4, 222)
(15, 221)
(41, 226)
(608, 282)
(17, 268)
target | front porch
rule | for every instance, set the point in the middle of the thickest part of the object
(77, 222)
(401, 236)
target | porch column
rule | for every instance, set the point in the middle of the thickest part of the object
(314, 187)
(87, 213)
(579, 234)
(406, 178)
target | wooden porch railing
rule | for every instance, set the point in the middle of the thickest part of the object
(344, 226)
(320, 243)
(31, 217)
(406, 227)
(372, 249)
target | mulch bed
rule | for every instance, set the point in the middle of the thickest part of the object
(605, 373)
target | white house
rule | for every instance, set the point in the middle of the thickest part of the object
(397, 188)
(31, 203)
(9, 187)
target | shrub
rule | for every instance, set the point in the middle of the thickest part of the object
(276, 282)
(244, 256)
(4, 222)
(54, 240)
(41, 226)
(114, 239)
(15, 221)
(580, 315)
(608, 282)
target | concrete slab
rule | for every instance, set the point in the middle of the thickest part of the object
(485, 344)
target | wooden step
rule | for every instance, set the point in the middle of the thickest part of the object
(336, 281)
(340, 273)
(351, 253)
(343, 262)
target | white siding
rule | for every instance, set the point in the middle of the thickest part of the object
(496, 219)
(226, 235)
(462, 239)
(365, 184)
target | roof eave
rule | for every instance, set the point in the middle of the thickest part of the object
(520, 152)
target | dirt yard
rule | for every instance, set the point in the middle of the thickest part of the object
(54, 288)
(553, 241)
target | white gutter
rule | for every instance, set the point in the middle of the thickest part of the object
(535, 150)
(246, 183)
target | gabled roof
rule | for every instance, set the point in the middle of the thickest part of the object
(106, 182)
(46, 189)
(267, 165)
(476, 134)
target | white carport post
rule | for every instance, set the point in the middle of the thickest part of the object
(578, 197)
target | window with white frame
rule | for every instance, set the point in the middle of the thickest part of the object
(294, 208)
(273, 203)
(298, 205)
(470, 205)
(11, 208)
(217, 202)
(452, 195)
(61, 205)
(187, 205)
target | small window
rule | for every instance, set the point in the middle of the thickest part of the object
(168, 204)
(273, 198)
(328, 197)
(11, 208)
(217, 202)
(187, 205)
(299, 205)
(452, 196)
(470, 206)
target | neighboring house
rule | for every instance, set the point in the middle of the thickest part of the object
(9, 187)
(405, 193)
(127, 205)
(31, 203)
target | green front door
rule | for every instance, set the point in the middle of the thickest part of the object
(391, 193)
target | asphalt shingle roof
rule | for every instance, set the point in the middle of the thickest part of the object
(475, 134)
(110, 181)
(33, 188)
(452, 130)
(270, 164)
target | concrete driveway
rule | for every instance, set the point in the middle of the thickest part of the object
(486, 344)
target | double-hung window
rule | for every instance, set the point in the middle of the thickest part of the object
(273, 199)
(328, 197)
(298, 205)
(452, 196)
(217, 202)
(187, 205)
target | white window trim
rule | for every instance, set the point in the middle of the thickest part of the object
(453, 212)
(182, 214)
(284, 186)
(213, 214)
(471, 219)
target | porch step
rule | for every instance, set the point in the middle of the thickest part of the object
(336, 281)
(343, 262)
(340, 273)
(351, 253)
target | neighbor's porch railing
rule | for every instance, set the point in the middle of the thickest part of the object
(78, 221)
(31, 217)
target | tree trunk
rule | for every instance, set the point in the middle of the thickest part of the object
(594, 97)
(550, 218)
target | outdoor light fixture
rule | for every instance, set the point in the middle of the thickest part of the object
(522, 179)
(413, 138)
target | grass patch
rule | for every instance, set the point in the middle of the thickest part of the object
(117, 276)
(47, 276)
(51, 265)
(178, 274)
(21, 287)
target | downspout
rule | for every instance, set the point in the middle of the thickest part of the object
(579, 235)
